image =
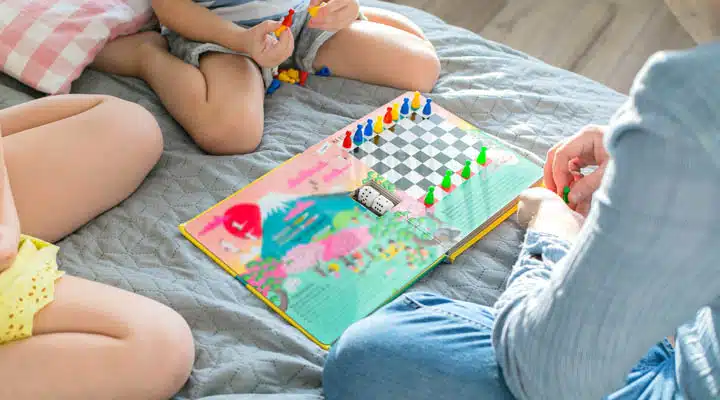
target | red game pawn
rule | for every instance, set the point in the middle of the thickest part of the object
(388, 116)
(347, 143)
(303, 78)
(289, 19)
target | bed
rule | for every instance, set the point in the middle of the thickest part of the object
(245, 351)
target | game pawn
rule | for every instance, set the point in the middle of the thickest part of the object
(466, 172)
(358, 138)
(427, 110)
(416, 102)
(447, 180)
(347, 142)
(369, 128)
(379, 127)
(388, 116)
(286, 23)
(395, 112)
(430, 197)
(405, 109)
(482, 157)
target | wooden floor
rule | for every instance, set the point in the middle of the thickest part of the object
(606, 40)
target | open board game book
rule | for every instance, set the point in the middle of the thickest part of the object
(343, 228)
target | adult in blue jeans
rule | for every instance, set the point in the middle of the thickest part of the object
(598, 285)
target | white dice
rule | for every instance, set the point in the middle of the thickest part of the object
(381, 205)
(367, 196)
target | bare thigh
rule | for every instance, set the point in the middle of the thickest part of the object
(76, 160)
(95, 341)
(219, 104)
(233, 120)
(383, 51)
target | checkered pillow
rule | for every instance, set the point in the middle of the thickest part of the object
(46, 44)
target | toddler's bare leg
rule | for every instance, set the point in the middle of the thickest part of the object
(220, 104)
(70, 158)
(98, 342)
(393, 19)
(384, 51)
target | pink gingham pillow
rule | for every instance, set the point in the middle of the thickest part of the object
(46, 44)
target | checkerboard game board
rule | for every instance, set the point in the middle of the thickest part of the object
(415, 152)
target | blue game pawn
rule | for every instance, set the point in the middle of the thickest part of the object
(427, 110)
(274, 86)
(358, 137)
(369, 128)
(405, 109)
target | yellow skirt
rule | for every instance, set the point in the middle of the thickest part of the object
(26, 287)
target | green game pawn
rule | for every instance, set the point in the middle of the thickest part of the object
(447, 180)
(430, 197)
(566, 193)
(482, 157)
(466, 171)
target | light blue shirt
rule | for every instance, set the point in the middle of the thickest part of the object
(647, 260)
(252, 12)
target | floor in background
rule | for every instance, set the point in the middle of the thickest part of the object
(605, 40)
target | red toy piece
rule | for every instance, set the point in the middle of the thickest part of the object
(347, 143)
(303, 78)
(289, 19)
(388, 116)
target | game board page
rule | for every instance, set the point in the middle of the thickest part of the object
(337, 231)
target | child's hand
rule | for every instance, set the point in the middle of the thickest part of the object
(9, 241)
(544, 211)
(567, 158)
(334, 15)
(265, 49)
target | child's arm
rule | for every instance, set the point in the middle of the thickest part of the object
(9, 221)
(197, 23)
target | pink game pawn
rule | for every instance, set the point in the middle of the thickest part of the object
(388, 116)
(347, 143)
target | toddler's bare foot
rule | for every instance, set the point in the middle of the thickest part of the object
(126, 55)
(544, 211)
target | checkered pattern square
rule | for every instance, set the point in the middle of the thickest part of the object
(46, 44)
(415, 152)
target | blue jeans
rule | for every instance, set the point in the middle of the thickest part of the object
(424, 346)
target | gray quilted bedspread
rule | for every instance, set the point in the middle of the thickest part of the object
(244, 351)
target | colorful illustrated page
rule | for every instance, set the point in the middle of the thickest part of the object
(299, 238)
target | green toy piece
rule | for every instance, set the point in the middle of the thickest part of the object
(566, 192)
(430, 197)
(447, 180)
(482, 157)
(466, 171)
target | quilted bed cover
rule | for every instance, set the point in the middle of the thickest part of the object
(244, 350)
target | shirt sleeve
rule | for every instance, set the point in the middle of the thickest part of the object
(646, 259)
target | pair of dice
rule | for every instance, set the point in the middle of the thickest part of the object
(373, 200)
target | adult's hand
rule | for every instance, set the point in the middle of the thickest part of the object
(567, 158)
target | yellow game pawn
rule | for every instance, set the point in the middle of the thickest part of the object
(284, 77)
(313, 11)
(378, 127)
(396, 112)
(416, 102)
(294, 74)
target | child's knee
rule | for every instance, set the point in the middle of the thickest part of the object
(229, 133)
(168, 352)
(132, 123)
(423, 71)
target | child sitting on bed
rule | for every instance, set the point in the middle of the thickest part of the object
(222, 55)
(63, 161)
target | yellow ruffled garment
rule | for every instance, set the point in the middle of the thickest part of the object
(26, 287)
